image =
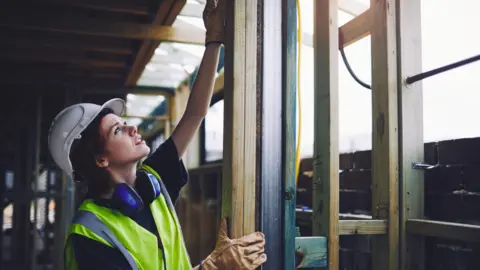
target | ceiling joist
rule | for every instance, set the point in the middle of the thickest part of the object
(107, 29)
(147, 49)
(58, 58)
(106, 5)
(352, 7)
(65, 45)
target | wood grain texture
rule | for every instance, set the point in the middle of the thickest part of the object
(411, 145)
(385, 132)
(326, 128)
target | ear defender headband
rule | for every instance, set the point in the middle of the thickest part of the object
(130, 200)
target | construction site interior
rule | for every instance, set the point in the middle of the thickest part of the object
(388, 164)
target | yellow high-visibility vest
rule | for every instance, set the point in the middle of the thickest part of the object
(138, 245)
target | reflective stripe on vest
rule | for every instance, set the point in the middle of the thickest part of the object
(93, 223)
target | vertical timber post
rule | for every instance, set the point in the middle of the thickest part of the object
(326, 128)
(411, 144)
(240, 121)
(385, 170)
(289, 56)
(253, 187)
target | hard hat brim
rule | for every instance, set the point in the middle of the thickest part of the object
(61, 154)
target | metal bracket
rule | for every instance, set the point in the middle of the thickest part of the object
(424, 166)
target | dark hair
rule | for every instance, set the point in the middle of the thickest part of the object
(92, 179)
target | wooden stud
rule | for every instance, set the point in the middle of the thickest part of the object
(411, 144)
(239, 150)
(289, 126)
(326, 146)
(447, 230)
(385, 133)
(250, 117)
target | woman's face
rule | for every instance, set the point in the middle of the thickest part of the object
(122, 144)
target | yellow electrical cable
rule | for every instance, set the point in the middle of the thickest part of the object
(299, 125)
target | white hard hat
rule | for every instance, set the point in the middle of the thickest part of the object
(70, 123)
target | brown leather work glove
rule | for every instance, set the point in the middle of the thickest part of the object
(245, 253)
(214, 20)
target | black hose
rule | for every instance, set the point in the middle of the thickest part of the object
(414, 78)
(342, 52)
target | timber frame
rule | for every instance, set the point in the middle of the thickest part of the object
(397, 225)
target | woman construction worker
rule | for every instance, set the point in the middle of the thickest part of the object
(127, 220)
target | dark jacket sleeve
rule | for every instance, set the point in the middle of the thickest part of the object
(166, 162)
(92, 255)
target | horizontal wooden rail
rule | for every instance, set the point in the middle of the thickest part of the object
(352, 31)
(447, 230)
(356, 29)
(349, 225)
(369, 227)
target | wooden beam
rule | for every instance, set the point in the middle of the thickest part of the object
(447, 230)
(166, 14)
(326, 128)
(57, 58)
(64, 74)
(370, 227)
(355, 29)
(56, 68)
(385, 133)
(251, 69)
(312, 251)
(352, 31)
(65, 45)
(411, 141)
(287, 149)
(34, 83)
(56, 85)
(107, 5)
(106, 28)
(239, 171)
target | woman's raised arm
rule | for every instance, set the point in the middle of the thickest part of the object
(201, 94)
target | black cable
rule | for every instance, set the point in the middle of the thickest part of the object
(414, 78)
(436, 71)
(342, 52)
